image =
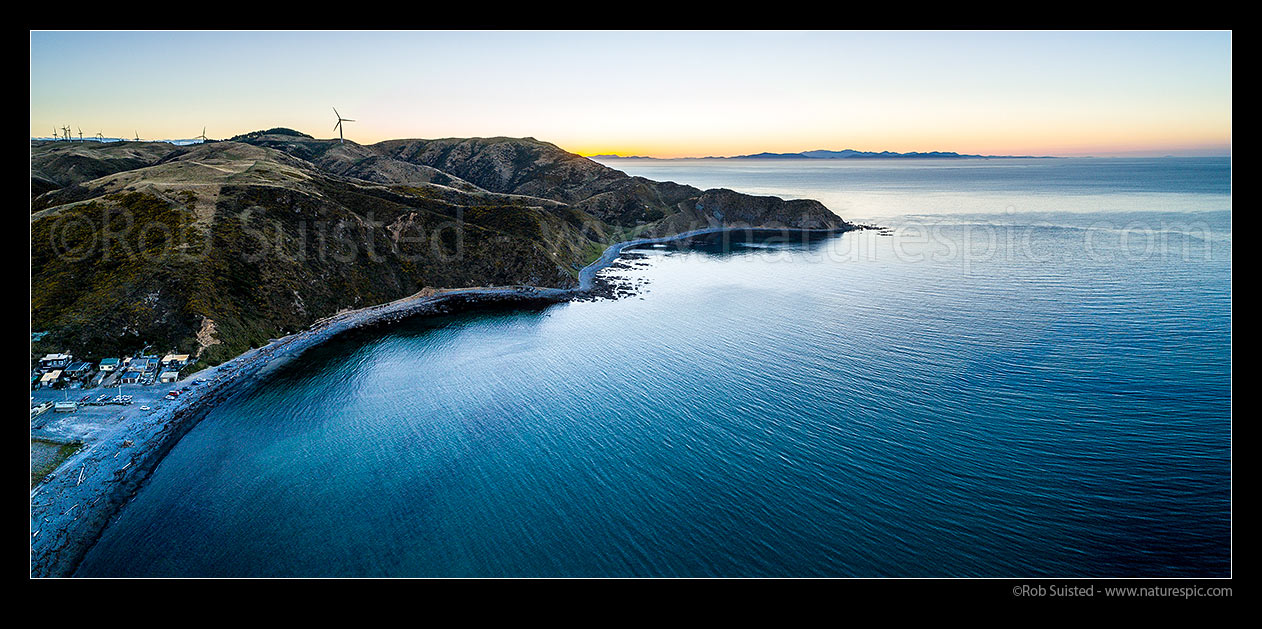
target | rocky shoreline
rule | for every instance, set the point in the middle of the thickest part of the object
(71, 510)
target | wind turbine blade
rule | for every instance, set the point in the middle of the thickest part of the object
(335, 113)
(348, 120)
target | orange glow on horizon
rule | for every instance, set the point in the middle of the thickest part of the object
(1069, 147)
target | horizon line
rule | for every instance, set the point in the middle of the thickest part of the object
(1136, 153)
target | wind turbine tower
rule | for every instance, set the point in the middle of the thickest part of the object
(80, 133)
(338, 126)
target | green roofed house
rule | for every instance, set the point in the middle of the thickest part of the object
(108, 364)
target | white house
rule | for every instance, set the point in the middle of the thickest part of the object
(54, 361)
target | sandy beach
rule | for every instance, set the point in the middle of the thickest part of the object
(70, 510)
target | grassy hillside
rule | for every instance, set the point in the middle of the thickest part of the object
(56, 165)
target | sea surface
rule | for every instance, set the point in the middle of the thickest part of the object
(1027, 374)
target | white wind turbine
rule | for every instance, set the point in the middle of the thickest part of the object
(201, 137)
(338, 126)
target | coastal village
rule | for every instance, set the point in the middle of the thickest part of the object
(62, 372)
(97, 431)
(71, 399)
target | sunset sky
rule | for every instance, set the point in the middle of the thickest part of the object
(664, 94)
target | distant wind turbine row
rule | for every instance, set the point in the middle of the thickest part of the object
(64, 133)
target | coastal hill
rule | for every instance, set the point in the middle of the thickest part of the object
(215, 248)
(350, 159)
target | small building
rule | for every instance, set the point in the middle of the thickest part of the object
(169, 376)
(50, 378)
(175, 361)
(109, 364)
(65, 407)
(54, 361)
(141, 364)
(79, 371)
(132, 377)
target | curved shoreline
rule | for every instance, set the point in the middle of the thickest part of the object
(70, 512)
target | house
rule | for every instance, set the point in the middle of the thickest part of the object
(54, 361)
(175, 361)
(132, 377)
(109, 364)
(79, 371)
(140, 364)
(169, 376)
(50, 378)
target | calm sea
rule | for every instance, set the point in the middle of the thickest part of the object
(1030, 374)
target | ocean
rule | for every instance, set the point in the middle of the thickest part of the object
(1027, 374)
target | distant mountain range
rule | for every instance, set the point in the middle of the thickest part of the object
(845, 154)
(613, 156)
